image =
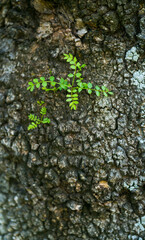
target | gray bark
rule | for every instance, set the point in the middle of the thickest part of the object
(81, 177)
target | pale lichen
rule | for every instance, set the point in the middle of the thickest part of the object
(138, 79)
(132, 54)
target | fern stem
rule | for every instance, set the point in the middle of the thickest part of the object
(74, 78)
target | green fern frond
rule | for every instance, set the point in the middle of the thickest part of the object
(73, 84)
(43, 111)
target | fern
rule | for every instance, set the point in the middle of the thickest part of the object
(73, 85)
(43, 110)
(35, 120)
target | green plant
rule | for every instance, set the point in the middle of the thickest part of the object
(35, 120)
(73, 85)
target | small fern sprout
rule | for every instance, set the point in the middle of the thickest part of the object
(73, 85)
(35, 121)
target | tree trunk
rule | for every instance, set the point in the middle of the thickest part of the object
(82, 176)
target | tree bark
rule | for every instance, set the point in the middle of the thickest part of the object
(82, 176)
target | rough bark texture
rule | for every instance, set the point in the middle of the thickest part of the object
(83, 176)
